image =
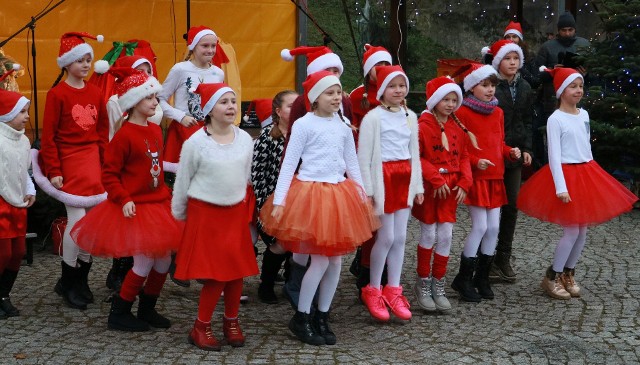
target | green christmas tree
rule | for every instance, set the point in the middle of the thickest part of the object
(613, 99)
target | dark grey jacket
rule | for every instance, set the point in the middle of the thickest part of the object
(517, 115)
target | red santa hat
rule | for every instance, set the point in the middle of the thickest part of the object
(11, 102)
(384, 76)
(440, 87)
(210, 94)
(373, 55)
(263, 109)
(562, 77)
(73, 47)
(476, 72)
(133, 85)
(194, 34)
(514, 28)
(133, 61)
(316, 83)
(318, 58)
(499, 49)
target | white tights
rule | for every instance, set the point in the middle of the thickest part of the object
(485, 225)
(569, 247)
(142, 265)
(322, 275)
(70, 251)
(389, 248)
(445, 236)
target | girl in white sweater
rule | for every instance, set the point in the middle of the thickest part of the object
(17, 192)
(210, 193)
(390, 163)
(319, 212)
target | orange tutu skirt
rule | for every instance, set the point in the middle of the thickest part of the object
(176, 135)
(488, 194)
(13, 220)
(596, 196)
(396, 176)
(322, 218)
(105, 231)
(216, 243)
(81, 170)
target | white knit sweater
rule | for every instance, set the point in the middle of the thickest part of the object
(370, 158)
(211, 172)
(15, 182)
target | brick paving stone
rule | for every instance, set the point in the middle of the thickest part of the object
(520, 326)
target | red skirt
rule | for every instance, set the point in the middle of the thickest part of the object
(176, 135)
(81, 170)
(13, 220)
(436, 210)
(596, 196)
(216, 243)
(105, 231)
(396, 178)
(322, 218)
(488, 194)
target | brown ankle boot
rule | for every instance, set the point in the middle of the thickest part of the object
(202, 336)
(552, 285)
(569, 282)
(232, 332)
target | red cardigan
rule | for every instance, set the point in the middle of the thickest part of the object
(434, 157)
(73, 117)
(131, 160)
(489, 131)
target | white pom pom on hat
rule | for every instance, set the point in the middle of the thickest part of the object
(101, 67)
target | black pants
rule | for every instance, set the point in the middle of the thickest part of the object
(509, 215)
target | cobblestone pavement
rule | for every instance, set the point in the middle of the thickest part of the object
(521, 326)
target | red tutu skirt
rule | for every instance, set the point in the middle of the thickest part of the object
(176, 135)
(322, 218)
(13, 220)
(436, 210)
(596, 196)
(488, 194)
(81, 170)
(216, 243)
(396, 176)
(105, 231)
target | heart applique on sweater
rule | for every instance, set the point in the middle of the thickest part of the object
(85, 117)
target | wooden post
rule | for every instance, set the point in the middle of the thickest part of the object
(516, 10)
(398, 32)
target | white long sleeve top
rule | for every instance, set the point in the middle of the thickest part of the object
(394, 136)
(15, 182)
(327, 150)
(212, 172)
(568, 138)
(181, 82)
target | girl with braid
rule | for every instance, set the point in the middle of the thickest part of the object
(446, 175)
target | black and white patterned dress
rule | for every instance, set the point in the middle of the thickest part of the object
(267, 154)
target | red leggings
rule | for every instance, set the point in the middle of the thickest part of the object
(210, 295)
(11, 253)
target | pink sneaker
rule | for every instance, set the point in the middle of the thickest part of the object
(397, 302)
(372, 299)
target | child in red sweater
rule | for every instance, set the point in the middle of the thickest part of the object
(136, 220)
(74, 135)
(447, 178)
(481, 114)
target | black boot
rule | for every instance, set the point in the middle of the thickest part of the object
(67, 287)
(321, 327)
(147, 312)
(301, 326)
(291, 288)
(271, 264)
(172, 269)
(121, 318)
(363, 278)
(501, 268)
(463, 283)
(83, 281)
(7, 279)
(355, 267)
(119, 270)
(481, 277)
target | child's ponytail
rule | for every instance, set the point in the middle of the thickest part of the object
(59, 77)
(188, 56)
(472, 137)
(443, 136)
(364, 103)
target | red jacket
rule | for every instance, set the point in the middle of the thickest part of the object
(356, 97)
(489, 131)
(434, 157)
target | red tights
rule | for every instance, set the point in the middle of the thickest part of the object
(210, 295)
(11, 253)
